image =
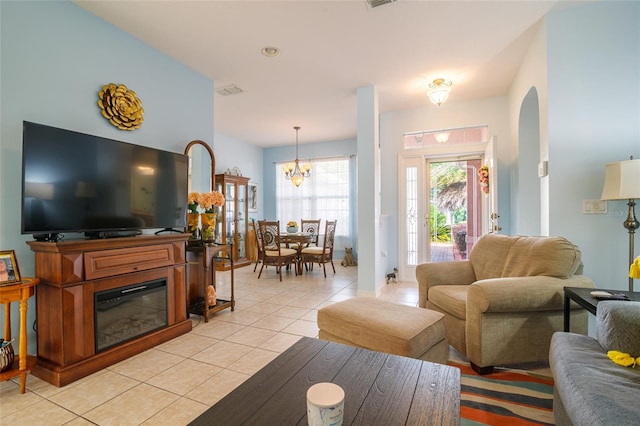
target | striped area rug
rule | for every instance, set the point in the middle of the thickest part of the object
(505, 397)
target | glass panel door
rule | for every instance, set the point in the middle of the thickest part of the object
(242, 221)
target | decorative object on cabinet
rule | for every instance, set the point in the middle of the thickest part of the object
(232, 222)
(201, 276)
(253, 197)
(9, 271)
(21, 292)
(235, 171)
(121, 106)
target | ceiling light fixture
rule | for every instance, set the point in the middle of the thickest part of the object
(439, 91)
(270, 51)
(442, 137)
(294, 171)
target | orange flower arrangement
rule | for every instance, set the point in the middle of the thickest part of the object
(207, 200)
(192, 201)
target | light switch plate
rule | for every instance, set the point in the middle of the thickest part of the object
(594, 207)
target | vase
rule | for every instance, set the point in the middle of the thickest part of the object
(193, 223)
(292, 229)
(208, 223)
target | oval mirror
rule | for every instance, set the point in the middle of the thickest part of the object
(202, 166)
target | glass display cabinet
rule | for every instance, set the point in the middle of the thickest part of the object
(232, 224)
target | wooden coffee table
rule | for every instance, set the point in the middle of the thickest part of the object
(380, 389)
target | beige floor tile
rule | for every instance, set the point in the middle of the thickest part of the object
(265, 308)
(12, 401)
(43, 412)
(181, 412)
(303, 328)
(292, 312)
(217, 387)
(280, 342)
(147, 364)
(93, 392)
(217, 329)
(222, 354)
(183, 377)
(187, 344)
(242, 317)
(251, 336)
(253, 361)
(132, 407)
(311, 316)
(79, 421)
(274, 322)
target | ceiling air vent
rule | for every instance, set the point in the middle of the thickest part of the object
(371, 4)
(229, 90)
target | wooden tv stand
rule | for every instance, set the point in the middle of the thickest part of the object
(70, 272)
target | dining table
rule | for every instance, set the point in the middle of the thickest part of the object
(297, 241)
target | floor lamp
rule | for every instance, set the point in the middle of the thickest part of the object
(622, 182)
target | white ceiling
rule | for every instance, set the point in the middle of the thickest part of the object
(327, 50)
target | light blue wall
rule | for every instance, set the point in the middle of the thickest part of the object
(55, 59)
(314, 150)
(594, 118)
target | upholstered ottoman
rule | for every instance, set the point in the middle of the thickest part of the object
(387, 327)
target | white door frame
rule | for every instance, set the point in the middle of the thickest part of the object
(419, 159)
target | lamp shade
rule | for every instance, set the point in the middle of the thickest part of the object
(622, 180)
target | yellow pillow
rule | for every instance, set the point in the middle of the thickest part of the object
(623, 359)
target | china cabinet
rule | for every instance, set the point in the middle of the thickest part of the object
(232, 224)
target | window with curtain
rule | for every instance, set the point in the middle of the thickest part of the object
(324, 195)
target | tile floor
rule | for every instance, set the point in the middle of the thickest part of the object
(175, 382)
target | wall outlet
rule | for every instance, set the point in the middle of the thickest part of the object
(594, 207)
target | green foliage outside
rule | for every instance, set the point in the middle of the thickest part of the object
(440, 231)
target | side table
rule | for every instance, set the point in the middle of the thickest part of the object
(21, 292)
(201, 273)
(582, 296)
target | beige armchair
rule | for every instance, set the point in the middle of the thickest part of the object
(503, 304)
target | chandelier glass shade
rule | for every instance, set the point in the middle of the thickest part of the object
(439, 91)
(296, 172)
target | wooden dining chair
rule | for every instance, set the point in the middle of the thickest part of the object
(322, 255)
(311, 226)
(273, 253)
(256, 229)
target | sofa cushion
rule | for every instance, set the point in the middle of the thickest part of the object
(593, 390)
(548, 256)
(614, 331)
(488, 255)
(451, 299)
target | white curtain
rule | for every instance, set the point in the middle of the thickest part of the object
(324, 195)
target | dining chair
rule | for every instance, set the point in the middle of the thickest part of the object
(272, 251)
(322, 255)
(311, 226)
(258, 233)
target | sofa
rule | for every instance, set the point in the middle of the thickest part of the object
(589, 388)
(504, 302)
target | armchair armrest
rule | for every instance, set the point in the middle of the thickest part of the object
(521, 294)
(431, 274)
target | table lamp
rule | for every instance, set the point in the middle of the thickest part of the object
(622, 182)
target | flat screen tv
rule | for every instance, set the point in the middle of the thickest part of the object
(74, 182)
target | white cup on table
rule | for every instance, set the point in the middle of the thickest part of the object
(325, 405)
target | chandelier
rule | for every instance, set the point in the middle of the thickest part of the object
(439, 91)
(294, 171)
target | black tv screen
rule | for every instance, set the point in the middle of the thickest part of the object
(74, 182)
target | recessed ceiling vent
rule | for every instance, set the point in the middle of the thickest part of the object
(372, 4)
(232, 89)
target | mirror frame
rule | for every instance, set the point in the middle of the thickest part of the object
(213, 159)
